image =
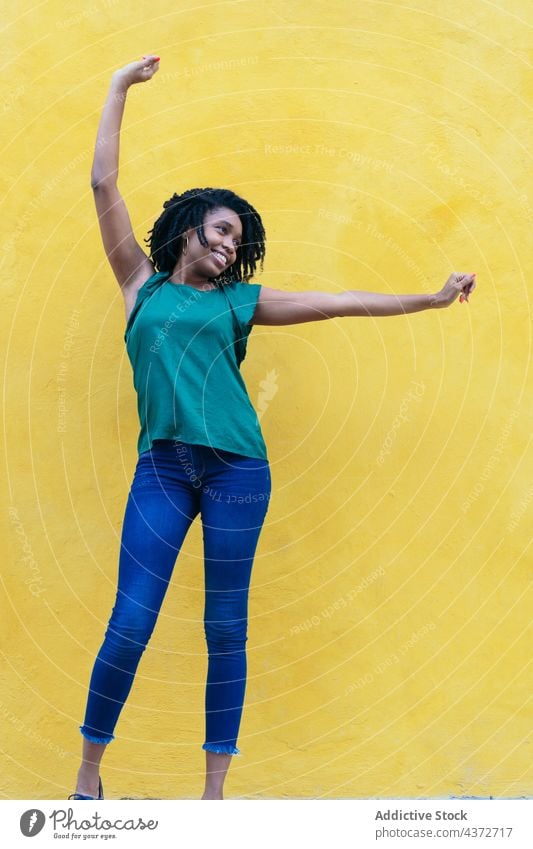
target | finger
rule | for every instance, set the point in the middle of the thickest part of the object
(465, 287)
(151, 66)
(470, 290)
(471, 286)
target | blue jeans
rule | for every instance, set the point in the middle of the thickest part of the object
(173, 482)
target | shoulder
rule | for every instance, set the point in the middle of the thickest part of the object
(244, 298)
(242, 292)
(153, 283)
(241, 284)
(145, 291)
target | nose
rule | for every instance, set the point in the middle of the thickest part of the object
(228, 245)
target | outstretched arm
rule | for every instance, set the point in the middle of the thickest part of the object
(106, 151)
(276, 307)
(129, 262)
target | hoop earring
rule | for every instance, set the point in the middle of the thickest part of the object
(186, 248)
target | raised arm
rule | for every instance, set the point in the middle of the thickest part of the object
(129, 262)
(276, 307)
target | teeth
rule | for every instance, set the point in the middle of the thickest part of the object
(222, 257)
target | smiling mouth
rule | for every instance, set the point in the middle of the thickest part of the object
(220, 258)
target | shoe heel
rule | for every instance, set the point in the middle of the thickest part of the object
(78, 796)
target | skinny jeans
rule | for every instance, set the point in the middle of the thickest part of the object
(173, 482)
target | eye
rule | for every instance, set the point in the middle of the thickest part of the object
(223, 227)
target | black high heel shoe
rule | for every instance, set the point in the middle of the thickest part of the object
(100, 793)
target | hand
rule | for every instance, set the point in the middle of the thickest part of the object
(457, 283)
(138, 72)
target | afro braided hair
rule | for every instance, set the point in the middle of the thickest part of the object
(187, 210)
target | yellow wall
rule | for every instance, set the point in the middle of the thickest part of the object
(385, 147)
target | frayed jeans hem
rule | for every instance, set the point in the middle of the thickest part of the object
(93, 739)
(221, 750)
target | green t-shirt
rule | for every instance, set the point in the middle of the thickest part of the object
(185, 347)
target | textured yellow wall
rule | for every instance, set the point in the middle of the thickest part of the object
(385, 146)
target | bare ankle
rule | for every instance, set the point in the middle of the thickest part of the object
(211, 794)
(89, 770)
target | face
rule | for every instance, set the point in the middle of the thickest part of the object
(223, 232)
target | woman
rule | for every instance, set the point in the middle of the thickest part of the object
(189, 311)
